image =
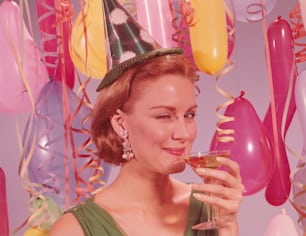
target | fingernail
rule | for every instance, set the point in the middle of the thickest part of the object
(200, 170)
(196, 195)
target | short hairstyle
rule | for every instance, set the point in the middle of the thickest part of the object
(122, 93)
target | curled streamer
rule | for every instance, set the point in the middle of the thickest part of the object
(298, 31)
(182, 16)
(60, 168)
(224, 135)
(299, 173)
(46, 20)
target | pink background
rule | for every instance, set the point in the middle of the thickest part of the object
(249, 74)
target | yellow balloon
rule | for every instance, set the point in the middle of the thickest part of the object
(35, 231)
(208, 35)
(88, 50)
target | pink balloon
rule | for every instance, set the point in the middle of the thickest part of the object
(251, 10)
(14, 96)
(281, 225)
(283, 68)
(251, 147)
(155, 17)
(4, 225)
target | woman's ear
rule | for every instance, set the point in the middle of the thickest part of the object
(117, 121)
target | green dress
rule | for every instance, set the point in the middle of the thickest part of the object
(95, 221)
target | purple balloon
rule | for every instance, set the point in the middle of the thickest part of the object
(48, 164)
(251, 147)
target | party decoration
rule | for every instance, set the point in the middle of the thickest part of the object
(281, 225)
(182, 17)
(155, 17)
(129, 43)
(208, 35)
(36, 231)
(87, 43)
(54, 19)
(48, 214)
(4, 222)
(62, 168)
(299, 191)
(22, 74)
(283, 73)
(299, 174)
(303, 12)
(252, 10)
(251, 147)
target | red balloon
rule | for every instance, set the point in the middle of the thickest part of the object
(282, 68)
(4, 226)
(55, 41)
(251, 147)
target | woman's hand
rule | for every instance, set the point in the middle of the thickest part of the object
(224, 192)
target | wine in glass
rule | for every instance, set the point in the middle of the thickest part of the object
(207, 159)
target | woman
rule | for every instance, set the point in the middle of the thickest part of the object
(144, 121)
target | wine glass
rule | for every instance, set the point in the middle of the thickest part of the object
(207, 159)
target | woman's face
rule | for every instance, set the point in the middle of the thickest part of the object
(161, 124)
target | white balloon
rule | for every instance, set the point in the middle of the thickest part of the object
(281, 225)
(251, 10)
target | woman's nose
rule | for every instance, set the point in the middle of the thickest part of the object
(182, 129)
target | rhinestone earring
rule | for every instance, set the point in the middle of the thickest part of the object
(127, 149)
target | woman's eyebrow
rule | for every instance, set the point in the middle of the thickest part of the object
(171, 108)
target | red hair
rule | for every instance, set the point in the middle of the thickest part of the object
(122, 93)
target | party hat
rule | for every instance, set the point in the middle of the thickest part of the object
(129, 43)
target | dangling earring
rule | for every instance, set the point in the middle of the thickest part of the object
(127, 149)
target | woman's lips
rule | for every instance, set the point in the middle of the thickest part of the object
(175, 151)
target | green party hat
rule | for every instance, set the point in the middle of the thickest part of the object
(129, 43)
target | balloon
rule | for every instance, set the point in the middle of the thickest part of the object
(281, 225)
(283, 69)
(22, 74)
(208, 35)
(251, 147)
(298, 190)
(251, 10)
(299, 177)
(36, 231)
(155, 17)
(87, 43)
(55, 32)
(49, 215)
(4, 222)
(180, 23)
(49, 165)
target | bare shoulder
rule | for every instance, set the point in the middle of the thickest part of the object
(66, 224)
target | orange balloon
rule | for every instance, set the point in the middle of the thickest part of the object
(88, 49)
(36, 231)
(208, 35)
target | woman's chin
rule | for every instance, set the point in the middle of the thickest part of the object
(178, 167)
